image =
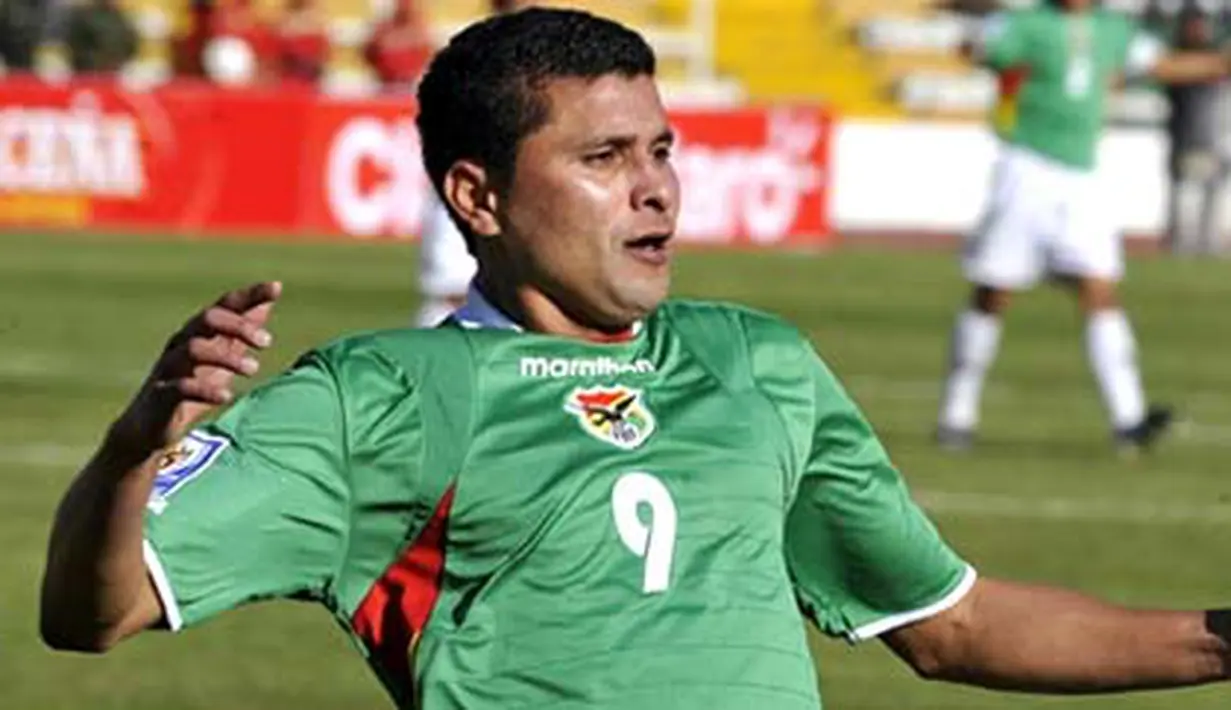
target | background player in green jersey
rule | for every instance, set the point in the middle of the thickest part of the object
(1047, 213)
(576, 494)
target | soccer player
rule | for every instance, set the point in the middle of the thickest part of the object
(446, 266)
(1046, 214)
(573, 494)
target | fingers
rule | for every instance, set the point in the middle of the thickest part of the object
(220, 353)
(251, 297)
(197, 368)
(254, 303)
(200, 362)
(204, 369)
(221, 321)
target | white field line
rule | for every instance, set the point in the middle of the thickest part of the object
(43, 455)
(44, 366)
(1080, 510)
(983, 505)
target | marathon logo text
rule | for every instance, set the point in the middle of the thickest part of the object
(560, 368)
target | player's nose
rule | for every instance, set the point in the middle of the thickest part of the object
(655, 187)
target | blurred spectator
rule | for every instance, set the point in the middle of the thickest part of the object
(230, 61)
(1198, 164)
(100, 38)
(301, 45)
(970, 7)
(239, 19)
(241, 44)
(188, 48)
(399, 48)
(21, 30)
(502, 6)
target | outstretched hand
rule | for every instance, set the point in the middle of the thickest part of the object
(197, 369)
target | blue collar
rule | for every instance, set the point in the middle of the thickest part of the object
(478, 313)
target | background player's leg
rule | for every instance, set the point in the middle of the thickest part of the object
(1001, 256)
(1089, 257)
(973, 348)
(445, 267)
(1213, 212)
(1184, 215)
(1112, 350)
(1191, 204)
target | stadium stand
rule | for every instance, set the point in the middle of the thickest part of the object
(792, 49)
(865, 57)
(681, 30)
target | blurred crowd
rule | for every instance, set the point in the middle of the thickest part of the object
(99, 36)
(228, 41)
(232, 43)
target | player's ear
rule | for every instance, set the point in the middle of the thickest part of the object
(472, 194)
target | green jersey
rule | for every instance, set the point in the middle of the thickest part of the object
(503, 519)
(1057, 70)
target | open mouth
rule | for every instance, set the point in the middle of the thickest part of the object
(652, 248)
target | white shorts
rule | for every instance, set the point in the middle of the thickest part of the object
(445, 266)
(1042, 219)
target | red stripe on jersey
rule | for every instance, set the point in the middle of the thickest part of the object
(397, 607)
(1010, 81)
(1009, 85)
(623, 336)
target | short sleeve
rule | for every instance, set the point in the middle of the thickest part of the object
(254, 505)
(863, 556)
(997, 41)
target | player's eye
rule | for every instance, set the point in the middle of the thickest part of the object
(601, 158)
(662, 153)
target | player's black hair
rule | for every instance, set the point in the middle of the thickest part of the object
(482, 93)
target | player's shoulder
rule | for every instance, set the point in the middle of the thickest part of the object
(415, 353)
(756, 328)
(1026, 18)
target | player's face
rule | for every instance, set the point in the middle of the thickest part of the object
(592, 204)
(1077, 5)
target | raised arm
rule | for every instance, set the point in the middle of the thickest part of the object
(1037, 639)
(96, 590)
(1191, 68)
(1147, 57)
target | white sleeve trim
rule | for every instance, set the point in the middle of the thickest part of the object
(162, 585)
(889, 623)
(1144, 53)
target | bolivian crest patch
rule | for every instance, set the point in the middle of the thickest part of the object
(617, 415)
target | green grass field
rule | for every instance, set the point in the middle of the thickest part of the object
(1042, 499)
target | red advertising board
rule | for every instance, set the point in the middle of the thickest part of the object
(189, 157)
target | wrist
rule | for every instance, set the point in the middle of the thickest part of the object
(1218, 625)
(129, 443)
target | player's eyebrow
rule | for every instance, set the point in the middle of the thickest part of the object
(620, 142)
(667, 135)
(628, 140)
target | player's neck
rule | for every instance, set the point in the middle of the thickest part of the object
(533, 310)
